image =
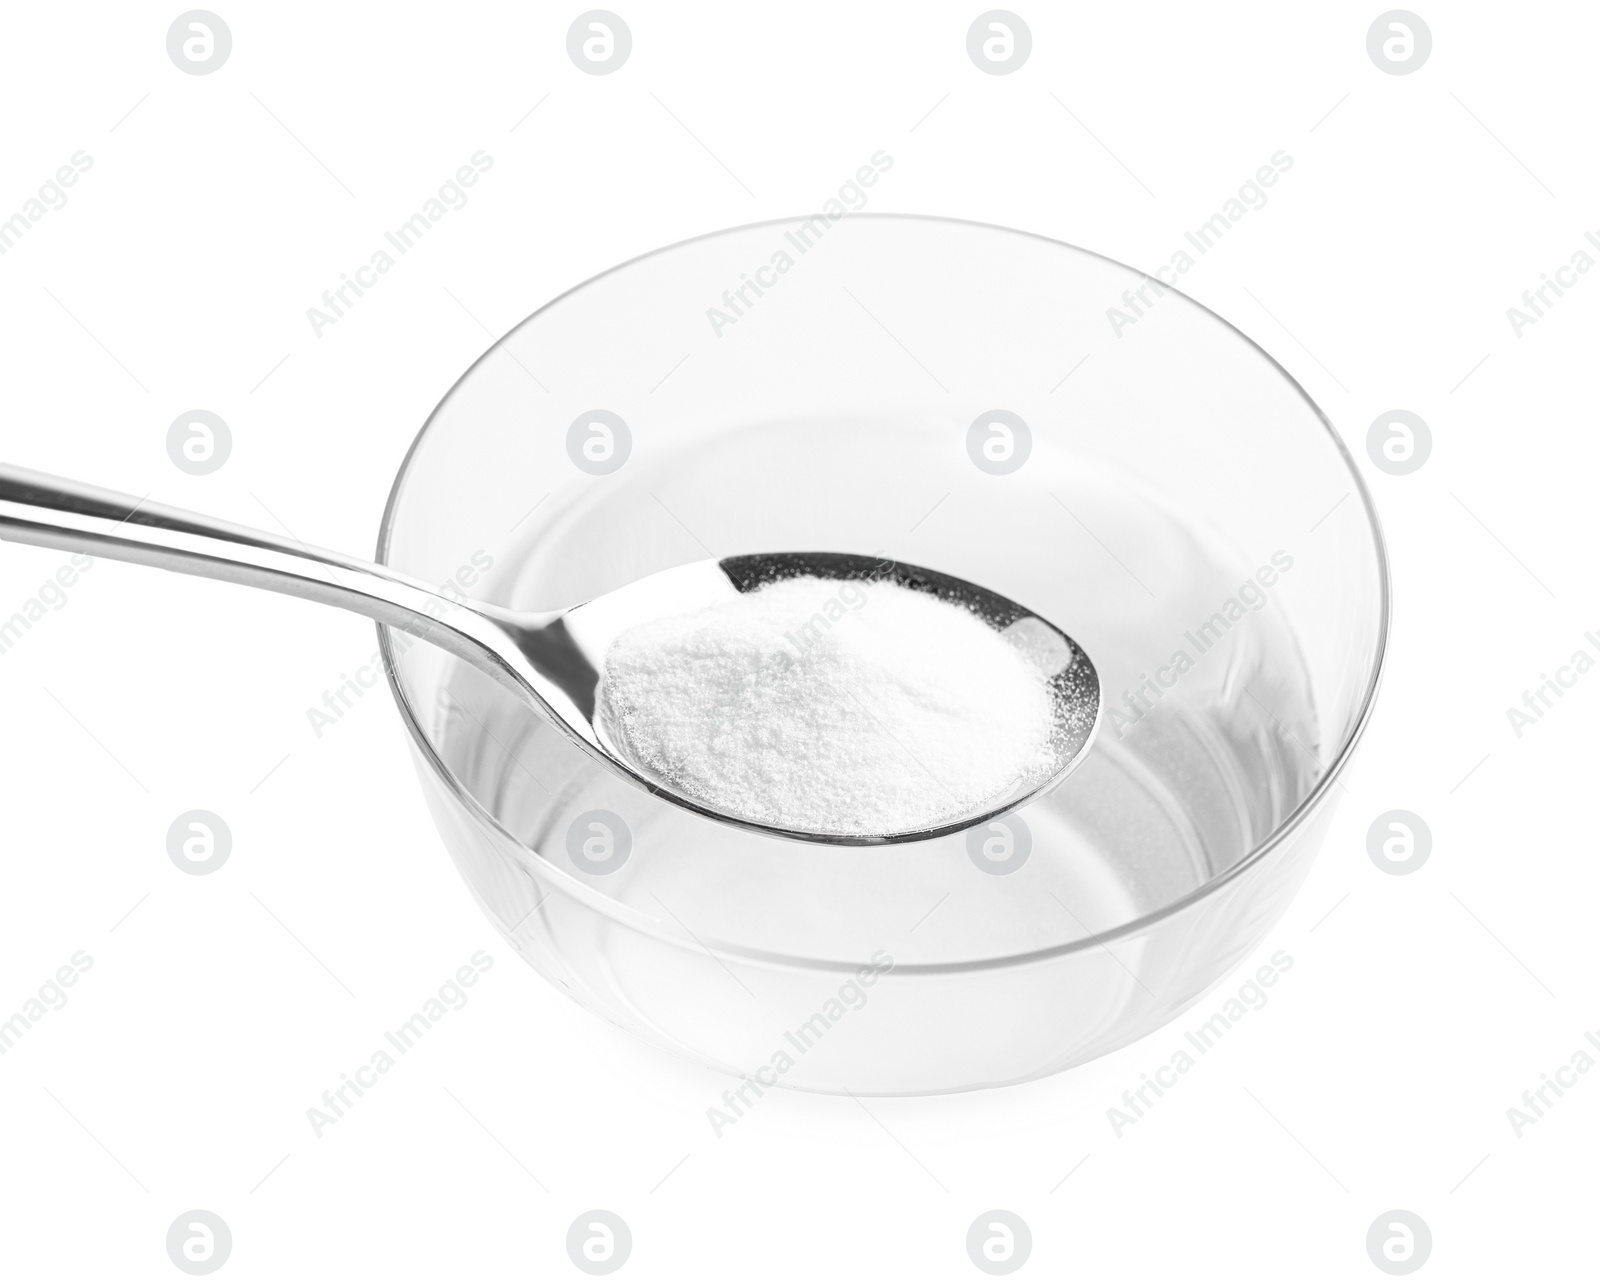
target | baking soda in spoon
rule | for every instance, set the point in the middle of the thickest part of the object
(821, 705)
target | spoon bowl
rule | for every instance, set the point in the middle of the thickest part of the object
(1073, 682)
(554, 660)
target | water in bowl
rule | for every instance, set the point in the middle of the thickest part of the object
(1209, 736)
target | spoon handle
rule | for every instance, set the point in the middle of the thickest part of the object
(41, 509)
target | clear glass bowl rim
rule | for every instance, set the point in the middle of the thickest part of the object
(1201, 893)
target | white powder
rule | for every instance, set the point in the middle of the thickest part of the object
(838, 707)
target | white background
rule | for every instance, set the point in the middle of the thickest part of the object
(219, 1008)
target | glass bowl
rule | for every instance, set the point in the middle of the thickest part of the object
(960, 397)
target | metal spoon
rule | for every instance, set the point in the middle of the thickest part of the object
(551, 659)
